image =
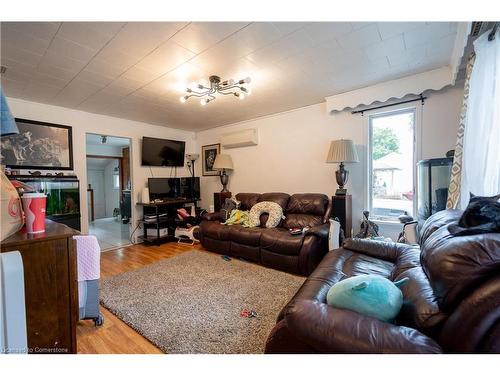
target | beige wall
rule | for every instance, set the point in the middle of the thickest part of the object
(292, 149)
(84, 122)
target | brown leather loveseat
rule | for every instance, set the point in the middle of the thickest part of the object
(274, 247)
(451, 302)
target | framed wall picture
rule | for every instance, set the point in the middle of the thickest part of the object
(39, 145)
(209, 153)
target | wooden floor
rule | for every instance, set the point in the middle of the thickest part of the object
(114, 336)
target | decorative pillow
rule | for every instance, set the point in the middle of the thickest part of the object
(370, 295)
(273, 209)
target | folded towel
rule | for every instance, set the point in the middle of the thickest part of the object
(88, 258)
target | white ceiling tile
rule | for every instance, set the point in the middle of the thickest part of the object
(165, 58)
(62, 61)
(289, 27)
(14, 38)
(106, 69)
(38, 91)
(324, 31)
(360, 38)
(49, 80)
(388, 46)
(91, 34)
(94, 78)
(427, 34)
(407, 56)
(288, 46)
(199, 36)
(71, 49)
(12, 87)
(389, 29)
(22, 56)
(54, 71)
(42, 30)
(76, 92)
(139, 74)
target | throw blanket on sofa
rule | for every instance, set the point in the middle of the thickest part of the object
(238, 217)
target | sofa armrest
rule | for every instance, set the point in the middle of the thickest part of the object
(212, 216)
(331, 330)
(321, 231)
(378, 249)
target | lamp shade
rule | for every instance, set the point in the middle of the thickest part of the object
(342, 151)
(7, 122)
(223, 161)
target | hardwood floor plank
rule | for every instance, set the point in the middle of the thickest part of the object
(114, 336)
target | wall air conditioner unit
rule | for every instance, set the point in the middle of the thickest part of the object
(243, 138)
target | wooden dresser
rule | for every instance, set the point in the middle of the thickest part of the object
(51, 289)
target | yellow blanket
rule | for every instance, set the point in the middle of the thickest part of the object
(238, 217)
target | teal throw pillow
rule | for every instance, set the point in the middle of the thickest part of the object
(369, 295)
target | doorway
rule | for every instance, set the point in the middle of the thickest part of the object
(109, 189)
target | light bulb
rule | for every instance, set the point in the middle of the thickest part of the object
(248, 91)
(203, 101)
(248, 80)
(183, 99)
(241, 96)
(230, 82)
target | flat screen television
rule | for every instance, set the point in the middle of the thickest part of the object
(162, 152)
(161, 188)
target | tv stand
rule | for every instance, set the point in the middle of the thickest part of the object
(164, 219)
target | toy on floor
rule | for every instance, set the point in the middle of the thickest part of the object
(226, 258)
(246, 313)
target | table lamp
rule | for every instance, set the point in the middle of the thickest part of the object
(223, 162)
(342, 151)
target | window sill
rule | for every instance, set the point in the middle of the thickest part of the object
(386, 222)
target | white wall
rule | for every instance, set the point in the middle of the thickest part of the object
(105, 150)
(95, 177)
(84, 122)
(112, 195)
(293, 146)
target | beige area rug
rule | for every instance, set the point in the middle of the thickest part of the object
(191, 303)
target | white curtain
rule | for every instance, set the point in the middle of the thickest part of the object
(481, 149)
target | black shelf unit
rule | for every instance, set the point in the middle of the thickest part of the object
(170, 221)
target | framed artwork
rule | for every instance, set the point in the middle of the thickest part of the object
(209, 153)
(39, 145)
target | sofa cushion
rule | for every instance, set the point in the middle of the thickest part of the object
(245, 236)
(457, 265)
(247, 200)
(279, 198)
(280, 241)
(215, 230)
(305, 210)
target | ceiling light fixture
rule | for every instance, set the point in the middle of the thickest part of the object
(228, 87)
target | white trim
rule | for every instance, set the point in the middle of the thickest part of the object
(417, 110)
(416, 84)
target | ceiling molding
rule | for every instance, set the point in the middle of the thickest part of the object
(395, 89)
(463, 31)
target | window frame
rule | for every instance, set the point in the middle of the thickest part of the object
(416, 155)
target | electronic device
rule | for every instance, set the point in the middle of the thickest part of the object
(161, 188)
(158, 152)
(153, 232)
(190, 187)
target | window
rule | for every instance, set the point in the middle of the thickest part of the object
(392, 166)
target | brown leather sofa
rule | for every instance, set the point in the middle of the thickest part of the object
(451, 303)
(274, 247)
